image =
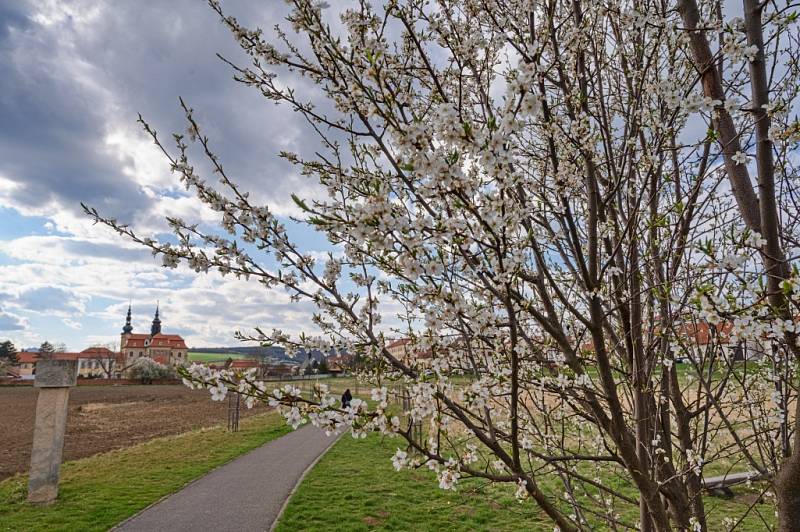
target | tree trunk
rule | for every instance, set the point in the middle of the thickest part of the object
(787, 490)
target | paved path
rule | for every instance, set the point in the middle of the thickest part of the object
(243, 495)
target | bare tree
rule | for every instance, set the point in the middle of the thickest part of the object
(105, 357)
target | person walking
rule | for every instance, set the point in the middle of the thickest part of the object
(346, 398)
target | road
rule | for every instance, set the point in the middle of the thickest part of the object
(246, 494)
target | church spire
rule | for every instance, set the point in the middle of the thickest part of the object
(156, 327)
(128, 328)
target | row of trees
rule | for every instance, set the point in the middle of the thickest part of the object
(559, 196)
(8, 351)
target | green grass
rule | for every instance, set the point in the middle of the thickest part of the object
(99, 492)
(336, 386)
(196, 356)
(354, 488)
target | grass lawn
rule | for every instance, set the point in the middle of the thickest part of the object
(99, 492)
(354, 487)
(195, 356)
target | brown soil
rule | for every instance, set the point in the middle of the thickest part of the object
(102, 418)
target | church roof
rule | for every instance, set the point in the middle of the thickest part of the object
(154, 339)
(173, 341)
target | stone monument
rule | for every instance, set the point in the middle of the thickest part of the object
(54, 379)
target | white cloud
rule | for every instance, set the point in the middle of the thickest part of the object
(61, 276)
(12, 322)
(72, 324)
(78, 73)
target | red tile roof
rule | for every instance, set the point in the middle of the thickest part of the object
(28, 357)
(244, 363)
(398, 343)
(97, 352)
(704, 334)
(172, 341)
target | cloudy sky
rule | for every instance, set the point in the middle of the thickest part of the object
(73, 76)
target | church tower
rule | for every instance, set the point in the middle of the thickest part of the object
(156, 327)
(128, 328)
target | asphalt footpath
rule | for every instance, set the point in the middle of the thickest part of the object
(243, 495)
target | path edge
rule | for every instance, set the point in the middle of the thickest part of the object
(168, 495)
(300, 481)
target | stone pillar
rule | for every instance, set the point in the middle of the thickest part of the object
(53, 378)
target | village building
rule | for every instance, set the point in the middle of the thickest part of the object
(403, 349)
(26, 364)
(98, 362)
(340, 364)
(101, 362)
(243, 364)
(167, 349)
(92, 362)
(264, 369)
(698, 336)
(399, 349)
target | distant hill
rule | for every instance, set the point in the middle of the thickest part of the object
(273, 352)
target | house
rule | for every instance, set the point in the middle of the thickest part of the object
(689, 338)
(92, 362)
(279, 370)
(399, 349)
(702, 335)
(403, 350)
(167, 349)
(26, 364)
(99, 362)
(339, 364)
(243, 364)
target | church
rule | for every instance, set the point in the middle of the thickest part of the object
(167, 349)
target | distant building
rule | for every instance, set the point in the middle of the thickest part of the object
(98, 362)
(167, 349)
(26, 364)
(243, 364)
(279, 370)
(400, 349)
(702, 335)
(403, 350)
(92, 362)
(340, 364)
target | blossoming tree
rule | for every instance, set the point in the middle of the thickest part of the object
(559, 196)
